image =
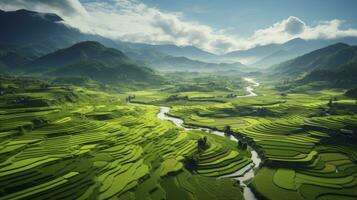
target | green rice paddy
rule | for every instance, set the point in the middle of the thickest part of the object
(73, 143)
(308, 147)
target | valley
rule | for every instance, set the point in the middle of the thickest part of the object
(298, 143)
(97, 140)
(174, 110)
(244, 174)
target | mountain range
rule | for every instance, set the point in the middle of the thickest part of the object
(43, 33)
(34, 34)
(272, 54)
(91, 60)
(48, 46)
(170, 63)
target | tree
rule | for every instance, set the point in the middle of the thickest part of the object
(330, 102)
(240, 144)
(21, 130)
(202, 144)
(130, 97)
(244, 146)
(39, 122)
(227, 129)
(284, 94)
(191, 162)
(44, 86)
(2, 89)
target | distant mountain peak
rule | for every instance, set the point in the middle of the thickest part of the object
(28, 13)
(24, 11)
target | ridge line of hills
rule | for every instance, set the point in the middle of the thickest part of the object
(48, 47)
(45, 28)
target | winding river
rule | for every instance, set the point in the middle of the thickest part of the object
(250, 88)
(244, 174)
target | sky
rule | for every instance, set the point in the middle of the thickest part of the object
(216, 26)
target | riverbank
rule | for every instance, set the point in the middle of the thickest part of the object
(242, 175)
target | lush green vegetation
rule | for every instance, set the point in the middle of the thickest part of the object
(71, 141)
(307, 139)
(334, 66)
(70, 128)
(75, 143)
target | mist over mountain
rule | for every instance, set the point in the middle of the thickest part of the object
(44, 33)
(170, 63)
(190, 52)
(178, 100)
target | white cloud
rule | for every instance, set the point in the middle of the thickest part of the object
(63, 7)
(294, 25)
(131, 20)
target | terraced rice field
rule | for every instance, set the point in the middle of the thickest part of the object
(306, 155)
(75, 149)
(73, 143)
(306, 163)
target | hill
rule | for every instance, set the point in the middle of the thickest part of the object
(332, 66)
(342, 76)
(82, 51)
(40, 32)
(329, 58)
(34, 34)
(93, 60)
(11, 58)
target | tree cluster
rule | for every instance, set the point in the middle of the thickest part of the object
(242, 145)
(176, 97)
(202, 144)
(130, 97)
(227, 129)
(231, 95)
